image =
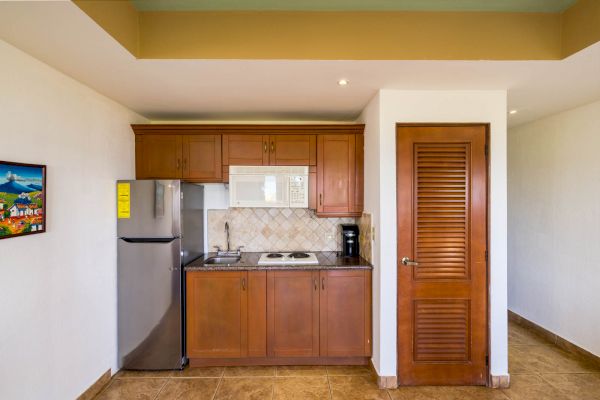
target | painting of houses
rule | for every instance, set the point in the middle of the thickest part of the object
(22, 199)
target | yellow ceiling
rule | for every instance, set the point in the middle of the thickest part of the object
(348, 35)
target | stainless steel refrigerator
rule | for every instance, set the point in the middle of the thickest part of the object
(160, 228)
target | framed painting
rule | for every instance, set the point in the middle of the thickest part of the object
(22, 199)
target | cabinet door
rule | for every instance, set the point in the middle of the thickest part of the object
(293, 313)
(257, 313)
(336, 174)
(345, 313)
(202, 158)
(216, 314)
(245, 150)
(158, 156)
(293, 149)
(359, 191)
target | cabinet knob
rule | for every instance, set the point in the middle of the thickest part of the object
(265, 146)
(272, 147)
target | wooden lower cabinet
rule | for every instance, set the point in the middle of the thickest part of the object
(273, 317)
(293, 313)
(345, 313)
(219, 307)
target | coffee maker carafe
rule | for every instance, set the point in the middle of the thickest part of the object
(350, 240)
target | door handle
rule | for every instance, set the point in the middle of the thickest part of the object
(407, 261)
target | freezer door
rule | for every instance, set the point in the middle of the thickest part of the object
(149, 285)
(154, 209)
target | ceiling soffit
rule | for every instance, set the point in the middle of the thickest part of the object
(348, 35)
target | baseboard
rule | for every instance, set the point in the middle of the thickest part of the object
(500, 381)
(384, 382)
(96, 387)
(562, 343)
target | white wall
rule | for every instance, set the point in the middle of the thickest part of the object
(58, 289)
(554, 224)
(381, 116)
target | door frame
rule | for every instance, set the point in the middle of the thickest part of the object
(488, 152)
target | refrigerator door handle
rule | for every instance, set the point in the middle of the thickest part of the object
(149, 240)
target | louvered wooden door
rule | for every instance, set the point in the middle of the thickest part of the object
(442, 226)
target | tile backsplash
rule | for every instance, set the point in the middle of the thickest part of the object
(365, 238)
(275, 229)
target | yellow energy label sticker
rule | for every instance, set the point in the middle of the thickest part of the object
(123, 200)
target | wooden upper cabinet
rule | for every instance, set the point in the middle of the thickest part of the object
(158, 156)
(336, 175)
(202, 158)
(245, 150)
(293, 313)
(345, 313)
(293, 150)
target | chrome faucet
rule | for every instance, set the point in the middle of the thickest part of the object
(227, 235)
(228, 251)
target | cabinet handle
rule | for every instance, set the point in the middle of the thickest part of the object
(243, 283)
(323, 283)
(184, 162)
(272, 147)
(320, 199)
(316, 284)
(265, 146)
(178, 163)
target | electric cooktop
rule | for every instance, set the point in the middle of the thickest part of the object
(297, 257)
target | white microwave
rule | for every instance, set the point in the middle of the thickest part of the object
(268, 186)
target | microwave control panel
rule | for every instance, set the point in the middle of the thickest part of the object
(299, 191)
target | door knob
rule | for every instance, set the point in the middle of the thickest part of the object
(407, 261)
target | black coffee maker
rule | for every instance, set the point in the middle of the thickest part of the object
(350, 240)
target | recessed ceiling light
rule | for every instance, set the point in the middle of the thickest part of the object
(343, 82)
(512, 112)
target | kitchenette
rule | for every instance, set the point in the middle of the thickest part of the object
(244, 245)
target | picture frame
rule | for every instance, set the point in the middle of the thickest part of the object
(22, 199)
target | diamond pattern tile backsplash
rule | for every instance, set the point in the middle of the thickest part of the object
(275, 229)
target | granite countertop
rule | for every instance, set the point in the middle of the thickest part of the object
(249, 261)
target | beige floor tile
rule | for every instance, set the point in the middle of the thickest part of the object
(132, 389)
(302, 370)
(341, 370)
(356, 388)
(447, 393)
(302, 388)
(546, 359)
(576, 386)
(249, 371)
(518, 335)
(144, 374)
(200, 372)
(531, 387)
(245, 389)
(189, 389)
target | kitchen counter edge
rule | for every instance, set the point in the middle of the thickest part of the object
(249, 262)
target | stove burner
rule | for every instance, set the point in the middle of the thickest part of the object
(299, 255)
(274, 255)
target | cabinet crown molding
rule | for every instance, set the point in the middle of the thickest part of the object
(280, 129)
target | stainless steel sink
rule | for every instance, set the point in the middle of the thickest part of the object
(222, 260)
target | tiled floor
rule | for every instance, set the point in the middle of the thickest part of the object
(539, 371)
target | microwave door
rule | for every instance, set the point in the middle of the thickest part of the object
(264, 190)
